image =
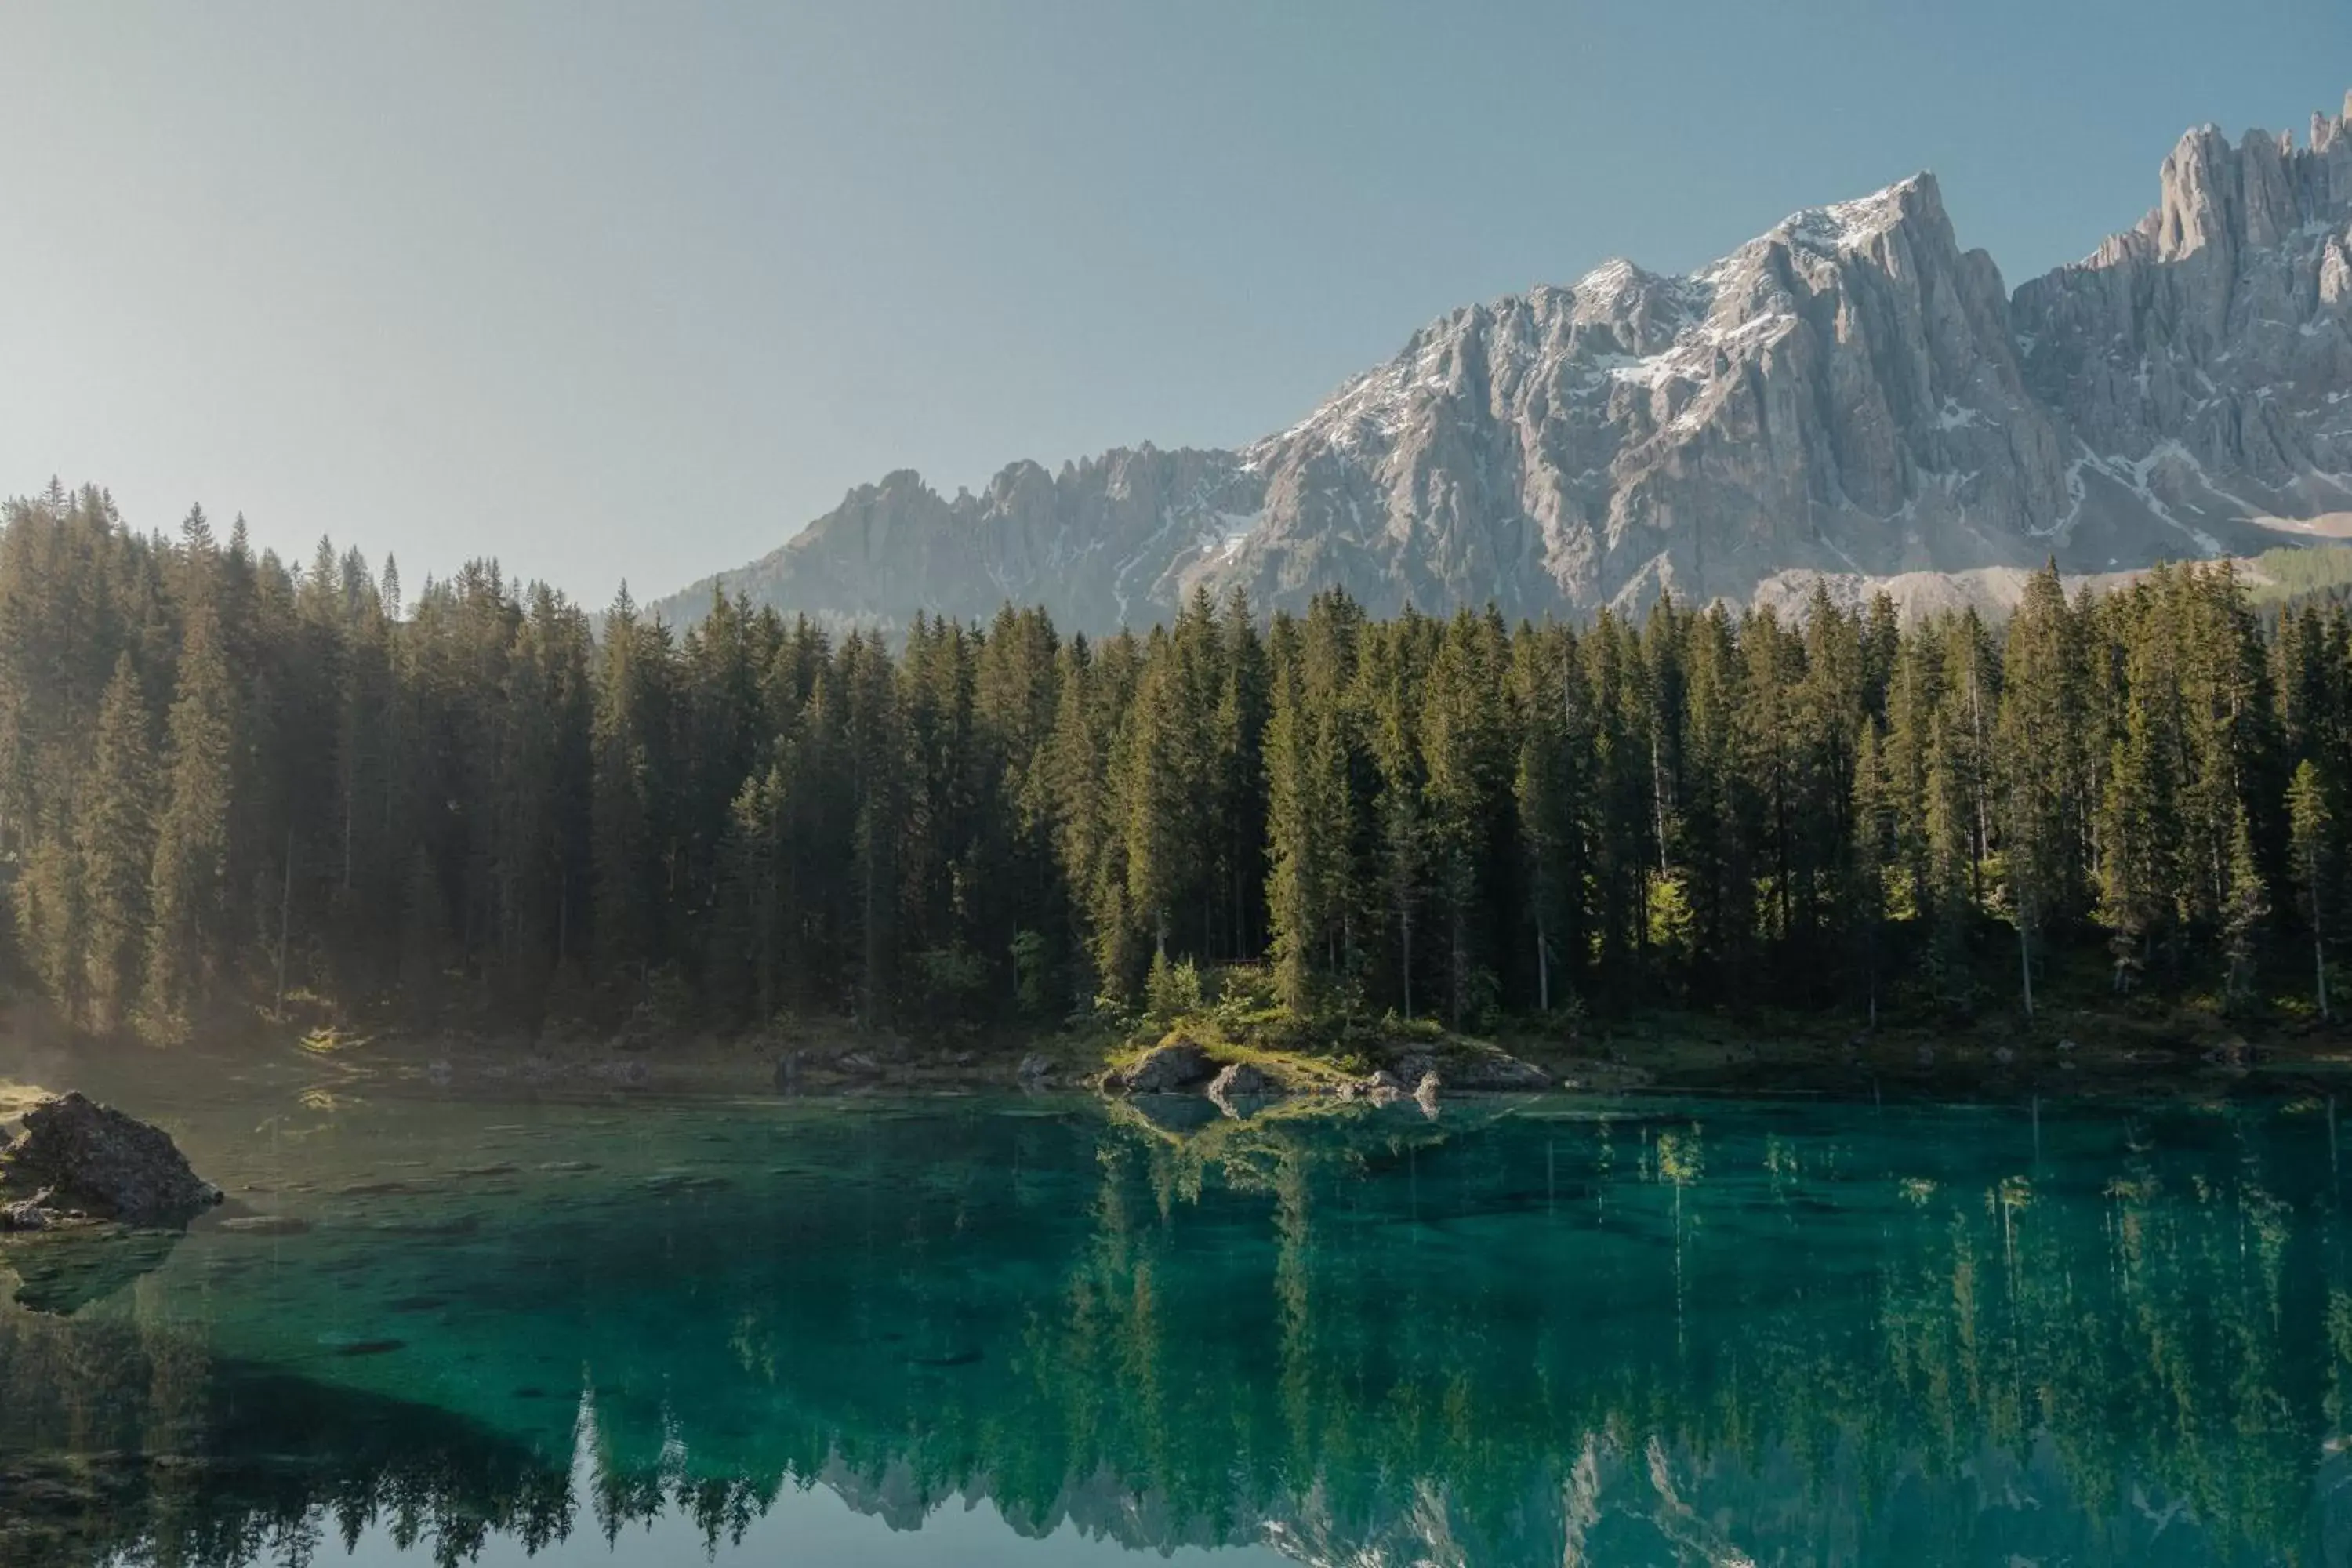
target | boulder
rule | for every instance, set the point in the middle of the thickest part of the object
(1414, 1065)
(1383, 1088)
(1034, 1071)
(113, 1165)
(1165, 1068)
(1240, 1080)
(1426, 1092)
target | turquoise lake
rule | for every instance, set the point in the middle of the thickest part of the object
(996, 1329)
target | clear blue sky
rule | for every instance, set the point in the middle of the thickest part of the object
(636, 291)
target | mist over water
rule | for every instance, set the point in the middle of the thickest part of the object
(1050, 1331)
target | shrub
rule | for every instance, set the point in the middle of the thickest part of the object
(1171, 991)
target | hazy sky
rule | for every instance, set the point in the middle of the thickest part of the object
(635, 291)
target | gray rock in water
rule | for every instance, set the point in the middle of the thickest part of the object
(1383, 1088)
(114, 1165)
(1034, 1070)
(1179, 1064)
(1240, 1079)
(1427, 1091)
(1414, 1065)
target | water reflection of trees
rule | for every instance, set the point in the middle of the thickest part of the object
(120, 1437)
(1672, 1338)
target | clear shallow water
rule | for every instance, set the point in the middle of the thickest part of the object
(1000, 1330)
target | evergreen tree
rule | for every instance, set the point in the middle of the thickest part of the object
(872, 753)
(630, 880)
(118, 849)
(1297, 883)
(2312, 830)
(1545, 803)
(2245, 903)
(189, 887)
(1865, 892)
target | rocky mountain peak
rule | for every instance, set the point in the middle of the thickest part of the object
(1848, 394)
(1862, 222)
(2256, 193)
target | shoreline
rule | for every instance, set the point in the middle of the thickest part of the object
(1663, 1055)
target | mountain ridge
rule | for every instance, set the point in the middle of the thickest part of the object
(1849, 393)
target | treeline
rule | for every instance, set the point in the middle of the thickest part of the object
(225, 780)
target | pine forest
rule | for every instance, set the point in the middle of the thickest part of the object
(227, 782)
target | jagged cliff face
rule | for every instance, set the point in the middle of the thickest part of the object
(1841, 395)
(2201, 362)
(1850, 395)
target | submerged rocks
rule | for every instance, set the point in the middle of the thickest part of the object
(2234, 1052)
(1178, 1064)
(266, 1224)
(83, 1261)
(115, 1166)
(33, 1214)
(1424, 1076)
(1172, 1064)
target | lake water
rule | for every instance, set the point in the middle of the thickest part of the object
(1047, 1331)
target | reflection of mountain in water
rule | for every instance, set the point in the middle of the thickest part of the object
(1769, 1336)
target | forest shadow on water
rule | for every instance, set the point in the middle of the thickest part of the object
(1047, 1330)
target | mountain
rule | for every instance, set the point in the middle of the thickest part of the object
(1850, 396)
